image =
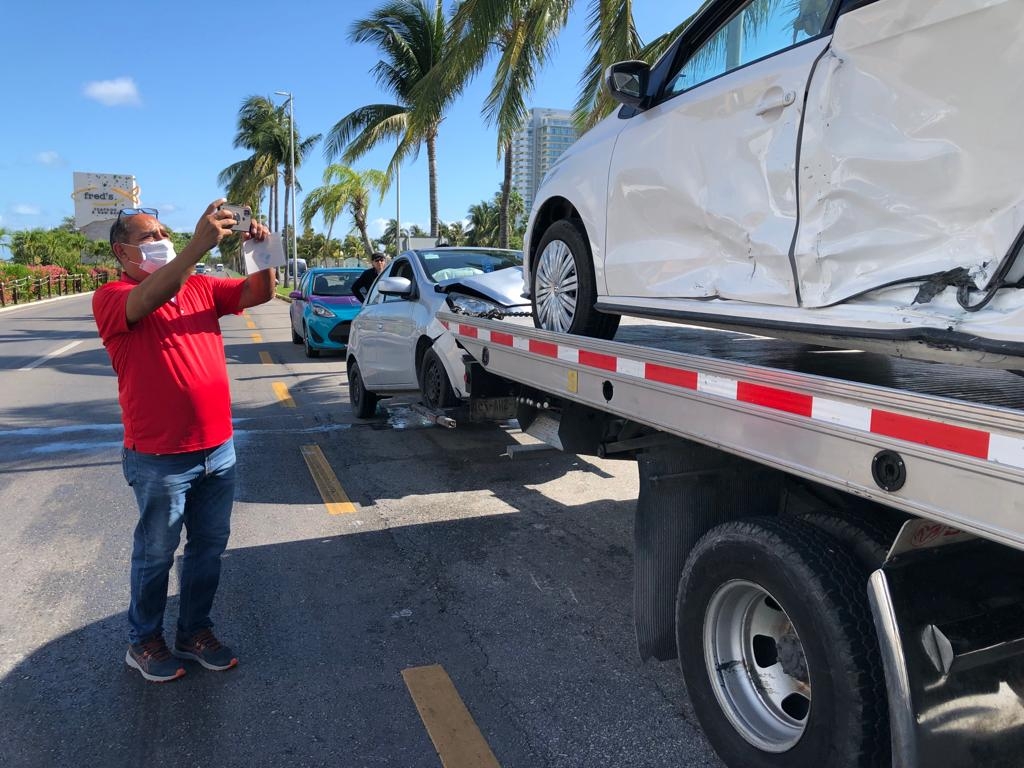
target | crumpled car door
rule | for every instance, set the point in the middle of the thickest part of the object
(702, 198)
(912, 161)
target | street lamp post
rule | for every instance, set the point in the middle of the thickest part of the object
(398, 209)
(295, 226)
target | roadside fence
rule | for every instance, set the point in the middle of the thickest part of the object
(22, 290)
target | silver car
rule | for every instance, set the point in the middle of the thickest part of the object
(396, 343)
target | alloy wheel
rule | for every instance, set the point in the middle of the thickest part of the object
(556, 287)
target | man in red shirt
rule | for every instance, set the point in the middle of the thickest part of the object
(160, 325)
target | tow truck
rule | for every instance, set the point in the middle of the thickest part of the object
(829, 541)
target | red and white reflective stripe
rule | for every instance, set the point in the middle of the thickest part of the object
(965, 441)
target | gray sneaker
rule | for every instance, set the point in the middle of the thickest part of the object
(206, 649)
(154, 661)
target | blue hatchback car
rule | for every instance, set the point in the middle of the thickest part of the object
(322, 309)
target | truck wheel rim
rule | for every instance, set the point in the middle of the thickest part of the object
(757, 666)
(556, 287)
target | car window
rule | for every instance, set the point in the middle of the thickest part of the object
(304, 285)
(454, 265)
(759, 29)
(333, 283)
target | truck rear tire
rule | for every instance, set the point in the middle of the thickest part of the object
(768, 610)
(863, 539)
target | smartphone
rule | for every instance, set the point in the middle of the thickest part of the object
(242, 214)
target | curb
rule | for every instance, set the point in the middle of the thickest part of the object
(43, 301)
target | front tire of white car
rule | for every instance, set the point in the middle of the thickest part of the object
(435, 388)
(364, 402)
(563, 287)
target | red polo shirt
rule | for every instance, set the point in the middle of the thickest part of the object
(172, 375)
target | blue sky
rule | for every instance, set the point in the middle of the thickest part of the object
(133, 88)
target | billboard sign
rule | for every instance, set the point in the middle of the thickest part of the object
(100, 196)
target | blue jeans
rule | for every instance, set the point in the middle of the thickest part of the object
(193, 489)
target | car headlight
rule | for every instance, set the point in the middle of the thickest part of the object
(321, 311)
(471, 305)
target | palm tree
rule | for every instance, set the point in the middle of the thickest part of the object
(345, 188)
(266, 130)
(411, 36)
(263, 129)
(483, 224)
(478, 24)
(525, 42)
(453, 233)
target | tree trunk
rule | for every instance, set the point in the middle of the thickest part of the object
(506, 193)
(432, 169)
(360, 221)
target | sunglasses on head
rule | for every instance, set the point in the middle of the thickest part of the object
(134, 211)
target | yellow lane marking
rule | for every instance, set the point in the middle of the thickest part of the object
(250, 324)
(257, 338)
(281, 390)
(456, 738)
(334, 496)
(265, 357)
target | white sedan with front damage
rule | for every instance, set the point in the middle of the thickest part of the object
(396, 343)
(848, 172)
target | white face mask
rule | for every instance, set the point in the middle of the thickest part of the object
(155, 254)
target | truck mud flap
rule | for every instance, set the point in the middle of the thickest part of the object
(950, 624)
(686, 489)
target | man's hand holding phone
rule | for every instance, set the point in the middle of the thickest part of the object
(242, 214)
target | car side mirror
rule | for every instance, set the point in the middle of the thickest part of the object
(295, 295)
(626, 82)
(395, 286)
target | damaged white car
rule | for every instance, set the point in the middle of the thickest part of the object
(846, 172)
(397, 344)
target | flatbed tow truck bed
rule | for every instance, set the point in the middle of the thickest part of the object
(922, 462)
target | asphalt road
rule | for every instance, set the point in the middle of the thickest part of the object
(513, 577)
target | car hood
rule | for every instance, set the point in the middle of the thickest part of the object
(503, 286)
(336, 301)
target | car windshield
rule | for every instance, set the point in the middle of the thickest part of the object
(454, 265)
(334, 283)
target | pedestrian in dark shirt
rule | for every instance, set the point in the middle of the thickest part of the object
(361, 287)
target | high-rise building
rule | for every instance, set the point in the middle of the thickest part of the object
(546, 135)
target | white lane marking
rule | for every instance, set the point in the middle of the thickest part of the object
(55, 352)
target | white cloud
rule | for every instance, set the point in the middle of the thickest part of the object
(50, 157)
(24, 209)
(113, 93)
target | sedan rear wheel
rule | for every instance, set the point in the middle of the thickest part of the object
(564, 289)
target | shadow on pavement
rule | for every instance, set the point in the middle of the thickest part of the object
(540, 649)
